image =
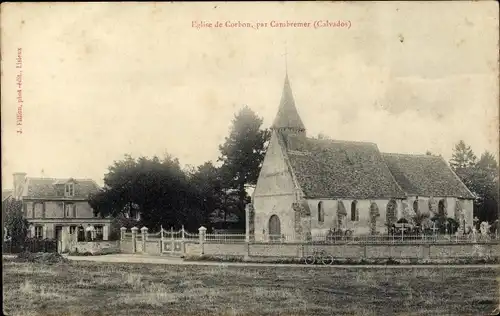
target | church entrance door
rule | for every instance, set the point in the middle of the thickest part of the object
(274, 228)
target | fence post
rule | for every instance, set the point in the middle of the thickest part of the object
(123, 230)
(183, 245)
(134, 239)
(247, 223)
(161, 239)
(144, 231)
(202, 231)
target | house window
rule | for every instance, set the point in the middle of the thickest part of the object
(321, 213)
(69, 210)
(38, 210)
(354, 211)
(38, 231)
(72, 229)
(69, 189)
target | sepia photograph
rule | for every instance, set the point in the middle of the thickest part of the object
(250, 158)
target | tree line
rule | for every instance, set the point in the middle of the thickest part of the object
(165, 194)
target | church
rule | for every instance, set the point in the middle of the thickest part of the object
(307, 186)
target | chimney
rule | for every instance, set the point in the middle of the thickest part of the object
(19, 180)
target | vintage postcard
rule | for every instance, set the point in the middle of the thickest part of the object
(253, 158)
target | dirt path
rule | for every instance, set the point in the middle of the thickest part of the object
(129, 258)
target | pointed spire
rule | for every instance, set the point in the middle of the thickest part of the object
(288, 117)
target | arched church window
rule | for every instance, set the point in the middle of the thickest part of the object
(391, 216)
(415, 206)
(341, 214)
(354, 211)
(374, 213)
(458, 209)
(442, 208)
(321, 212)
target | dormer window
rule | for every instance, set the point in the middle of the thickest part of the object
(69, 189)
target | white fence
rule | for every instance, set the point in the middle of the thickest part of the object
(167, 236)
(405, 239)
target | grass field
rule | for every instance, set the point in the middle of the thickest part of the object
(89, 288)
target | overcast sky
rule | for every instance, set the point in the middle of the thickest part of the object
(101, 80)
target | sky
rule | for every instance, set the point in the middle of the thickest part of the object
(100, 80)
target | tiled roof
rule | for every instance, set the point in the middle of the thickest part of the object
(287, 116)
(49, 187)
(425, 175)
(340, 169)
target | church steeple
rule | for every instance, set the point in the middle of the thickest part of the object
(288, 119)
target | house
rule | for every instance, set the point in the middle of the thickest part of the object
(307, 186)
(53, 205)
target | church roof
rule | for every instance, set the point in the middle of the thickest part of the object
(287, 116)
(340, 169)
(426, 175)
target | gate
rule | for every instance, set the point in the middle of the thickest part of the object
(172, 242)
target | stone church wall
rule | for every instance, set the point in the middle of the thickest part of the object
(361, 224)
(274, 193)
(450, 205)
(412, 251)
(281, 206)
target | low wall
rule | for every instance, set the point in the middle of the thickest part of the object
(152, 247)
(93, 247)
(365, 251)
(126, 246)
(412, 251)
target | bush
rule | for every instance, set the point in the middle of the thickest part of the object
(80, 254)
(41, 257)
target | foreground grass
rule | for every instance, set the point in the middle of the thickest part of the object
(89, 288)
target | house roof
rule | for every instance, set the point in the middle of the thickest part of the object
(287, 116)
(53, 188)
(426, 175)
(340, 169)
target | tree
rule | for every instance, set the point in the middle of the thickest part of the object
(481, 177)
(207, 182)
(16, 225)
(462, 156)
(158, 189)
(485, 185)
(241, 155)
(463, 162)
